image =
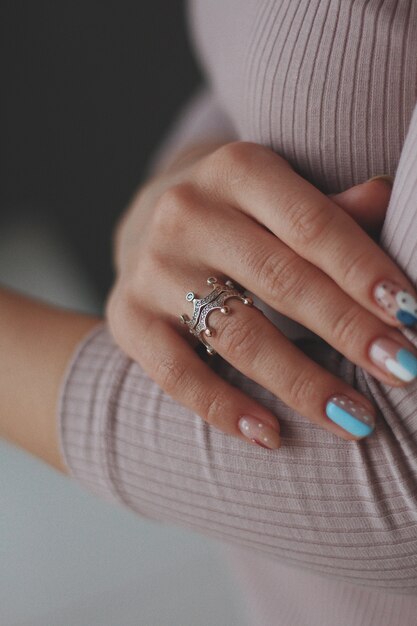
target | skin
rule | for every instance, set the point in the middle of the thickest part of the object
(239, 210)
(38, 340)
(36, 343)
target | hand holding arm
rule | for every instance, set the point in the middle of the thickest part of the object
(342, 508)
(241, 212)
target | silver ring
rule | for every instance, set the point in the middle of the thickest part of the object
(198, 324)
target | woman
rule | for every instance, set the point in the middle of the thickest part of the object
(303, 101)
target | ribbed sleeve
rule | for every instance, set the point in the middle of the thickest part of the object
(346, 509)
(329, 84)
(324, 531)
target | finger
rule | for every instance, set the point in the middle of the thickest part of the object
(172, 363)
(264, 186)
(240, 249)
(367, 203)
(255, 347)
(248, 340)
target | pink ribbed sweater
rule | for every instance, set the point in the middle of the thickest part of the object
(323, 531)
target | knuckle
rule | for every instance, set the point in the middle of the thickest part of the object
(356, 266)
(347, 325)
(302, 389)
(237, 160)
(215, 407)
(170, 373)
(307, 222)
(241, 152)
(240, 341)
(282, 276)
(174, 206)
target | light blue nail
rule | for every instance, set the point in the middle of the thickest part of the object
(347, 421)
(407, 360)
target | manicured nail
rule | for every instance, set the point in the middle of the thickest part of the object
(394, 358)
(350, 415)
(398, 302)
(258, 432)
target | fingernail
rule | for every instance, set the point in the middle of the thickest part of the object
(351, 415)
(258, 432)
(394, 358)
(386, 178)
(397, 302)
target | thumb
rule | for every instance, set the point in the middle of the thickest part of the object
(367, 203)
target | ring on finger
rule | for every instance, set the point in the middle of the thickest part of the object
(198, 323)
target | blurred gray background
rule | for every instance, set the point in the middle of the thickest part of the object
(88, 91)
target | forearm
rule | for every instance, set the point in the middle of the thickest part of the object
(36, 342)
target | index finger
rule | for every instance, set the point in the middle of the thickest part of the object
(264, 186)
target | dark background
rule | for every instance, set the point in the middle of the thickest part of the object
(88, 90)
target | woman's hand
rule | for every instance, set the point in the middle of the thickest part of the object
(240, 211)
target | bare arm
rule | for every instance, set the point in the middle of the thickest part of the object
(36, 343)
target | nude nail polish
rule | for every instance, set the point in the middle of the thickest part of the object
(393, 358)
(351, 415)
(397, 302)
(258, 432)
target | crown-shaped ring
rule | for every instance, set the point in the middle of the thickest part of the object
(198, 324)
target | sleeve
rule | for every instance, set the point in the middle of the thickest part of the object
(346, 509)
